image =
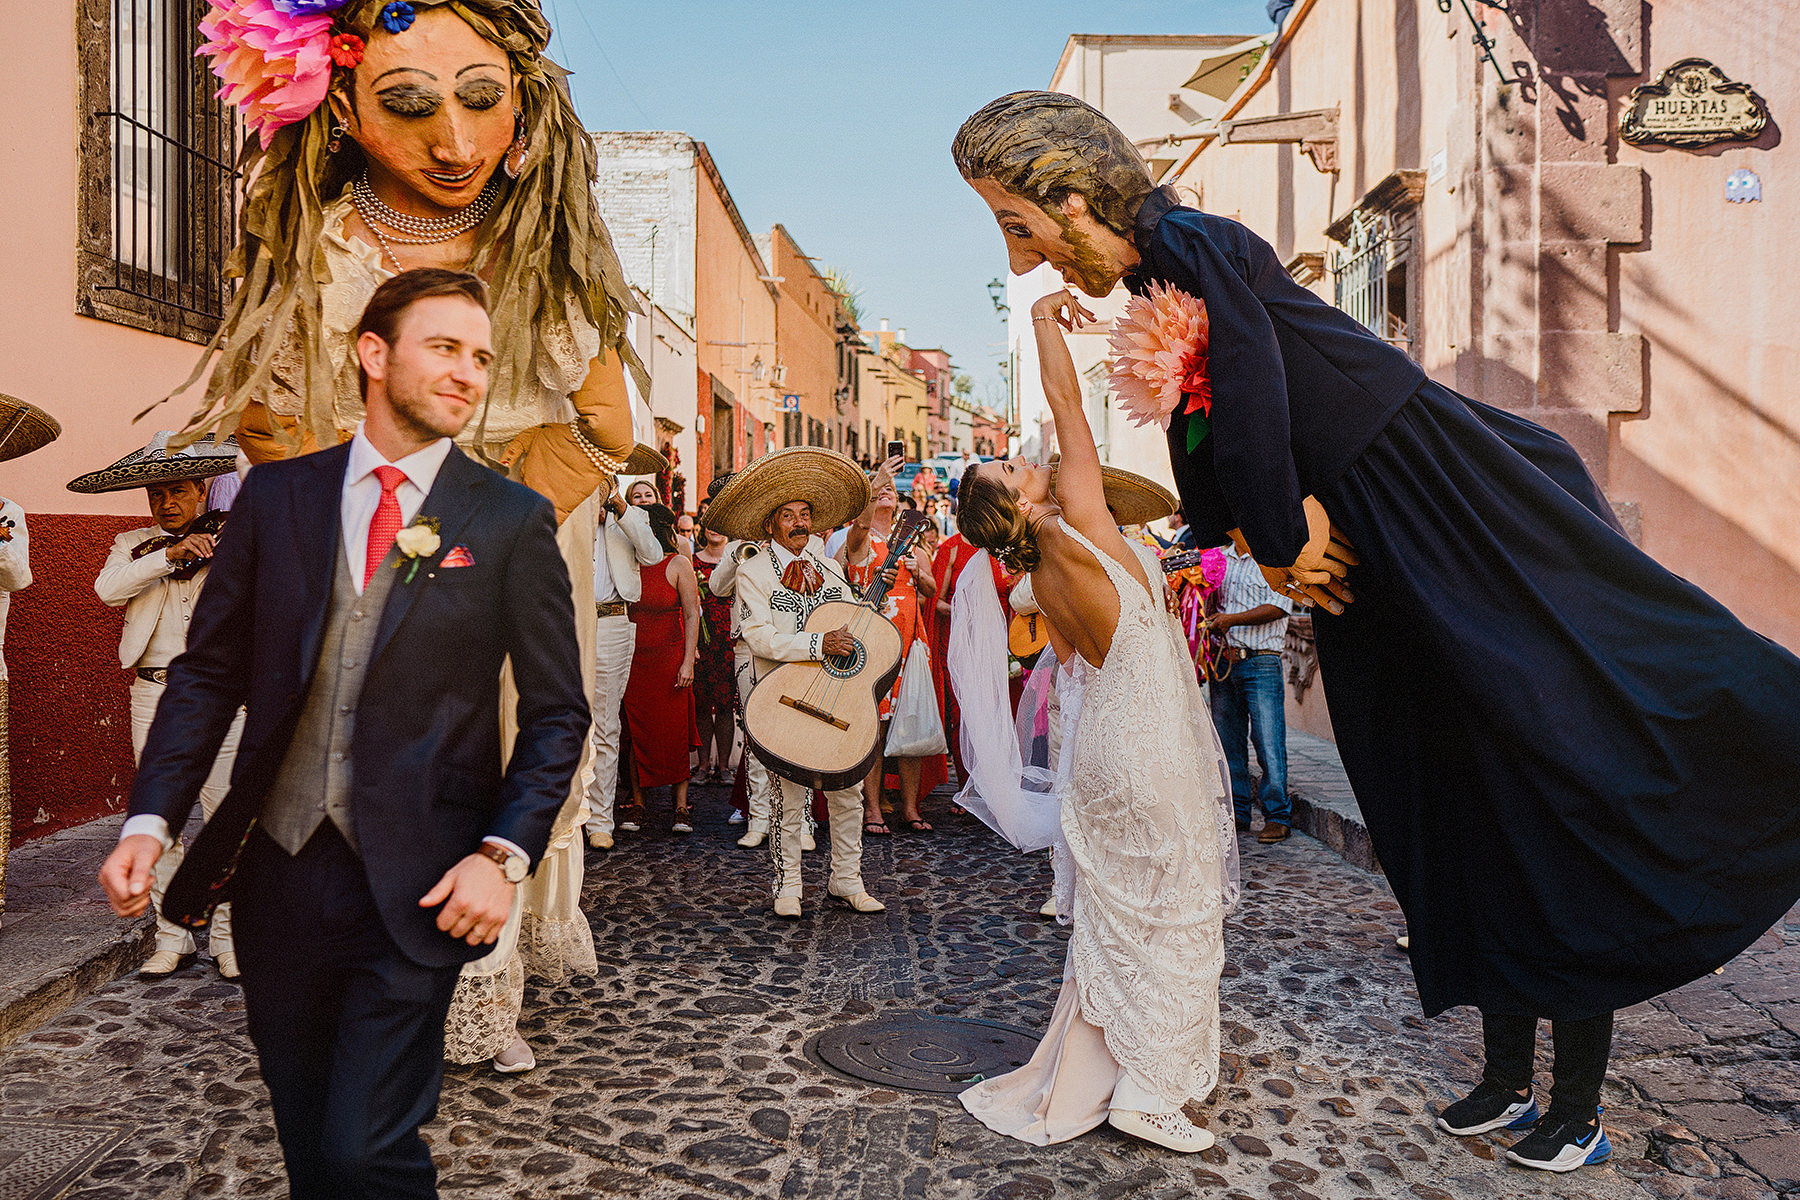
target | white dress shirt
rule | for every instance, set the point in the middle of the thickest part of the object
(1245, 589)
(362, 493)
(361, 496)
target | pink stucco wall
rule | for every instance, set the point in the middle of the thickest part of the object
(1605, 290)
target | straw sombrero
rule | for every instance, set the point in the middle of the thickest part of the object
(831, 482)
(156, 464)
(1134, 500)
(24, 427)
(644, 460)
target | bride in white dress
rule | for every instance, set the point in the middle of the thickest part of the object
(1141, 800)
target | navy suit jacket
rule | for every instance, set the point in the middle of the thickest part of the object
(427, 784)
(1299, 389)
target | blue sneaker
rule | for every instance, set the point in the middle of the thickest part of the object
(1562, 1142)
(1489, 1106)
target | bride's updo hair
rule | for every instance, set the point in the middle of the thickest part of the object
(988, 516)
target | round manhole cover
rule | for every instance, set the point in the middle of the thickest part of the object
(923, 1054)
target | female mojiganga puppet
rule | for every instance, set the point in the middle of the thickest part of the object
(431, 133)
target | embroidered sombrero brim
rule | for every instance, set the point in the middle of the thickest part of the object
(830, 482)
(1134, 499)
(154, 464)
(24, 427)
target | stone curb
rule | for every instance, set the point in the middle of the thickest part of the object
(59, 940)
(1324, 805)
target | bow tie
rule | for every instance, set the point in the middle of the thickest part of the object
(801, 576)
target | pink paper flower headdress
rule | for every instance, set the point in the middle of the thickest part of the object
(274, 57)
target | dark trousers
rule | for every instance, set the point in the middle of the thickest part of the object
(1581, 1051)
(348, 1030)
(1249, 707)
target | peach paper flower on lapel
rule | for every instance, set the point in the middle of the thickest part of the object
(275, 65)
(1159, 357)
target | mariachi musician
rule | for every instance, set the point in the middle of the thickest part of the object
(774, 504)
(155, 574)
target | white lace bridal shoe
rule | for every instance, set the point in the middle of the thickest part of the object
(1170, 1129)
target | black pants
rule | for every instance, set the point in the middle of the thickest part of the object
(1581, 1050)
(348, 1030)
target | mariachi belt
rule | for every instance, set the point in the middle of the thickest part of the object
(153, 674)
(609, 608)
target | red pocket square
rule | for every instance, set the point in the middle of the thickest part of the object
(457, 556)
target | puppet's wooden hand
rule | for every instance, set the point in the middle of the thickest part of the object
(1317, 575)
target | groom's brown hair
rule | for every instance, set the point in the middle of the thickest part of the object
(1046, 146)
(400, 292)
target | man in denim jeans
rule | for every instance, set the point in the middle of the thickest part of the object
(1253, 618)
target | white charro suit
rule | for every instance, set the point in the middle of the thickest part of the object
(624, 544)
(157, 611)
(768, 618)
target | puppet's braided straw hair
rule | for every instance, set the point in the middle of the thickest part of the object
(543, 246)
(1045, 145)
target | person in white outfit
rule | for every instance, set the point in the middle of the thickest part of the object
(155, 574)
(623, 545)
(777, 584)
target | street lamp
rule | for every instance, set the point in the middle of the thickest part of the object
(997, 289)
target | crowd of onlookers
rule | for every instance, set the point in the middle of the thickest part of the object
(674, 711)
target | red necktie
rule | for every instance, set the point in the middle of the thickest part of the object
(385, 525)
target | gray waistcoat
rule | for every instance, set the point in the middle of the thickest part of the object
(315, 775)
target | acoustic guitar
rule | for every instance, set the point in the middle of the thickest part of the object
(818, 723)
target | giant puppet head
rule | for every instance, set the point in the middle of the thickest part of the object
(1062, 181)
(439, 102)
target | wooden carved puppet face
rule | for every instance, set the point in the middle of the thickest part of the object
(434, 109)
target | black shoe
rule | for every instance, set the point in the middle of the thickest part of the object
(1243, 826)
(1489, 1106)
(1562, 1142)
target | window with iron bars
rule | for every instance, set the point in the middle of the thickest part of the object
(158, 151)
(1373, 277)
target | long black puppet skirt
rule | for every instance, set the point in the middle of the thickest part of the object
(1580, 772)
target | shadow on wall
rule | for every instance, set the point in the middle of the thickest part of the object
(70, 711)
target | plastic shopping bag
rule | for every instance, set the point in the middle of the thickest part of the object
(915, 730)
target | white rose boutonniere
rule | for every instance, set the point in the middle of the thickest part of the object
(418, 540)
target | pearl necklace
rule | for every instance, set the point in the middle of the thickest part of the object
(417, 231)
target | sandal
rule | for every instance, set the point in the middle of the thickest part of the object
(920, 826)
(876, 829)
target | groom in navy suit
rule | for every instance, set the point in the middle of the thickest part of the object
(360, 608)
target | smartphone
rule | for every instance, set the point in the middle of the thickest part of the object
(896, 450)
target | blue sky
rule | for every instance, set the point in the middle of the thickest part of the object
(835, 120)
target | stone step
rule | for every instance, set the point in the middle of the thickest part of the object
(59, 939)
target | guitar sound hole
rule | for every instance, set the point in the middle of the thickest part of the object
(846, 665)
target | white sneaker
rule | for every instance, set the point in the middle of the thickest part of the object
(515, 1059)
(681, 827)
(1170, 1129)
(736, 818)
(628, 826)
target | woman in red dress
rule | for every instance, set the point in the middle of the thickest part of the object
(913, 585)
(659, 697)
(715, 692)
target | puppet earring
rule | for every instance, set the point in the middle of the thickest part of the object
(514, 162)
(337, 139)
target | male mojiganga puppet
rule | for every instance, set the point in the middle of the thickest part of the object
(432, 133)
(1577, 769)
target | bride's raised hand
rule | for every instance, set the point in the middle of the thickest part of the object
(1063, 308)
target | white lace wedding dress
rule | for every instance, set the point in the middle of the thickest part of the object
(1145, 814)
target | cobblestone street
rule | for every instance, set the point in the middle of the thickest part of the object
(680, 1070)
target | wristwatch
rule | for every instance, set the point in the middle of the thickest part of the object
(510, 863)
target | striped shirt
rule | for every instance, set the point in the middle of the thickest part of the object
(1245, 589)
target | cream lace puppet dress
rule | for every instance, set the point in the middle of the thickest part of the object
(1139, 815)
